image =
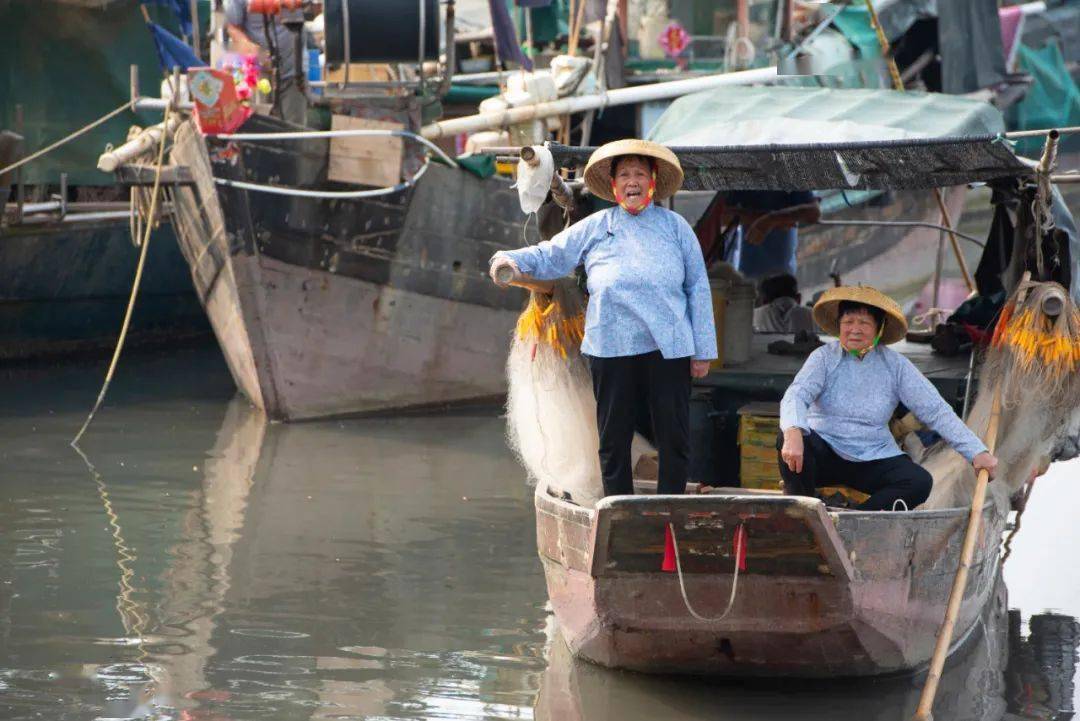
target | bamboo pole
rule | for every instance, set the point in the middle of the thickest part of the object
(956, 594)
(506, 275)
(946, 220)
(898, 84)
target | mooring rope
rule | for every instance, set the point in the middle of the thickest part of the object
(154, 195)
(67, 138)
(740, 534)
(351, 133)
(326, 194)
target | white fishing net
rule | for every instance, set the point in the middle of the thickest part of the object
(550, 408)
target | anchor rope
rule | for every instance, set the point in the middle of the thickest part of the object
(154, 195)
(740, 534)
(67, 138)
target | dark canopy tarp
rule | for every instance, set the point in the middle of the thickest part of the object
(875, 165)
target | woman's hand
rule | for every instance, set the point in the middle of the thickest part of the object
(502, 261)
(792, 451)
(699, 368)
(985, 460)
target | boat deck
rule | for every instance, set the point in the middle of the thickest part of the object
(762, 364)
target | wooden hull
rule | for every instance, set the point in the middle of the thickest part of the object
(823, 593)
(327, 307)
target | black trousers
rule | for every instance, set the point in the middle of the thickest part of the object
(621, 385)
(886, 480)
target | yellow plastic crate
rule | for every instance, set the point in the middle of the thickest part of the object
(758, 425)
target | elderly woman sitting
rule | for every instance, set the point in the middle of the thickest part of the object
(834, 416)
(649, 324)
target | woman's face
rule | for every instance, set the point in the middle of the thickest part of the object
(632, 177)
(857, 330)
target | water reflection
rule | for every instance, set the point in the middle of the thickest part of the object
(998, 675)
(212, 566)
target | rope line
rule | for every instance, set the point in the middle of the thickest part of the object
(355, 133)
(66, 139)
(740, 534)
(154, 195)
(301, 193)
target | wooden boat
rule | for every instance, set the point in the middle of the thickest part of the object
(974, 687)
(824, 593)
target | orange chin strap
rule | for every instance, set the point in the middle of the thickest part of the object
(635, 209)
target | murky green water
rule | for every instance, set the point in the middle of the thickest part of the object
(201, 564)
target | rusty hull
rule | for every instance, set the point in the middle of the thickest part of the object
(824, 593)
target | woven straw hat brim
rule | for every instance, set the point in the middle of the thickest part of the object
(827, 310)
(669, 173)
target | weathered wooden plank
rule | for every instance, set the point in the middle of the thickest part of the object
(372, 161)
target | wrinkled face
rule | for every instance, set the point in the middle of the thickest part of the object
(632, 177)
(857, 329)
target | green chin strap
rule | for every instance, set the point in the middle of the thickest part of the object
(859, 354)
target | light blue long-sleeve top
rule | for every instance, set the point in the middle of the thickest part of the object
(849, 402)
(646, 278)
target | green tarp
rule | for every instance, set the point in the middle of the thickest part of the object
(1052, 100)
(766, 115)
(67, 65)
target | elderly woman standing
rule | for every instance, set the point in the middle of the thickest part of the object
(834, 416)
(649, 325)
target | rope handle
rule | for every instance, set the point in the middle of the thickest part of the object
(740, 539)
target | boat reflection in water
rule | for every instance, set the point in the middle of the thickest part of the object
(997, 676)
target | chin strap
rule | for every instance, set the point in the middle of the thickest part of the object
(635, 209)
(860, 354)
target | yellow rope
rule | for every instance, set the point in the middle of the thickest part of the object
(154, 194)
(67, 138)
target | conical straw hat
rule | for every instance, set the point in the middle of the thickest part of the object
(669, 174)
(827, 310)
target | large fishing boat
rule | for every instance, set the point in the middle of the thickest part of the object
(346, 274)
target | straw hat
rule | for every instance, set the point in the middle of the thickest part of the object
(669, 174)
(827, 310)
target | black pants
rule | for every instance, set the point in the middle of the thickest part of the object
(620, 384)
(885, 480)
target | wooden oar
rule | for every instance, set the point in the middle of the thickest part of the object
(945, 634)
(956, 594)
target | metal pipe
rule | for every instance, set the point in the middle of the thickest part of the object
(1045, 131)
(451, 52)
(420, 62)
(621, 96)
(193, 8)
(345, 36)
(78, 218)
(161, 104)
(141, 143)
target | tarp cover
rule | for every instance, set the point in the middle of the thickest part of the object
(791, 115)
(874, 165)
(790, 138)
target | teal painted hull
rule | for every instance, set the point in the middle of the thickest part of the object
(64, 290)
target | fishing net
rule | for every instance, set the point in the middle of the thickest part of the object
(551, 411)
(1033, 358)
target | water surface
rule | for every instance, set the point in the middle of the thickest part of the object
(200, 563)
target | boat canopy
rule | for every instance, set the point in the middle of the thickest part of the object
(870, 165)
(790, 138)
(739, 115)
